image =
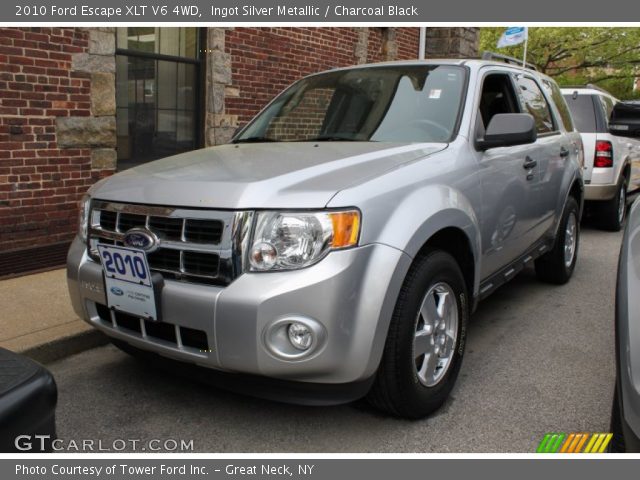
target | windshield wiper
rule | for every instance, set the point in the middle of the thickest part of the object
(255, 140)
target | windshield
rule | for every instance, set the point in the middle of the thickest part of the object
(383, 104)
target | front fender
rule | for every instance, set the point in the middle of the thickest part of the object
(408, 222)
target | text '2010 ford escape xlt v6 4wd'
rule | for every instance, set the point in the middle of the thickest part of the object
(339, 244)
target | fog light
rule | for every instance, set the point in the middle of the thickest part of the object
(300, 336)
(294, 337)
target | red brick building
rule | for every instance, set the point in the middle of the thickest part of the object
(78, 104)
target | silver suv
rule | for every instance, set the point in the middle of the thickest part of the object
(337, 246)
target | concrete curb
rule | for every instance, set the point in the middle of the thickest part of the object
(66, 346)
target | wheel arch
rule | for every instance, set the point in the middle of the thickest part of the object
(577, 192)
(455, 242)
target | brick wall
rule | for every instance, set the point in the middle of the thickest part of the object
(264, 61)
(43, 90)
(452, 42)
(39, 183)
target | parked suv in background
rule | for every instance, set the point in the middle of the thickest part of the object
(339, 244)
(608, 158)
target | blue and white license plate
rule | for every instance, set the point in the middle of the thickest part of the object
(128, 281)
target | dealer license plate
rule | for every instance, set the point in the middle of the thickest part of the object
(128, 281)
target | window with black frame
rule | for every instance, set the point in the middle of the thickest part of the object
(157, 93)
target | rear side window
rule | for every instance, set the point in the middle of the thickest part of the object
(607, 103)
(536, 104)
(583, 112)
(556, 95)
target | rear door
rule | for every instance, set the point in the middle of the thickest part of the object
(551, 151)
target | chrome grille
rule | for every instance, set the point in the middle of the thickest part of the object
(198, 246)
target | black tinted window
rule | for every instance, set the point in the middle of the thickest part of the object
(535, 104)
(583, 112)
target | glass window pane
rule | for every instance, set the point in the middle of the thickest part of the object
(142, 39)
(189, 42)
(185, 135)
(608, 108)
(535, 104)
(167, 83)
(186, 97)
(583, 113)
(558, 99)
(169, 43)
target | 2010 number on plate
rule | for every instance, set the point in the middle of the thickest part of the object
(128, 265)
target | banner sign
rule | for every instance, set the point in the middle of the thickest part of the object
(285, 11)
(125, 468)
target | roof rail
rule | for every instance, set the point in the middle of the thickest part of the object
(487, 55)
(588, 85)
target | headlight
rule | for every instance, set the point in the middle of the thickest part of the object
(291, 240)
(83, 217)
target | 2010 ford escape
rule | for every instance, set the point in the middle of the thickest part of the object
(339, 243)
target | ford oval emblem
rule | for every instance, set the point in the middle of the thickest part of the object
(117, 291)
(141, 238)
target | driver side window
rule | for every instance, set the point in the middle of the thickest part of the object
(497, 96)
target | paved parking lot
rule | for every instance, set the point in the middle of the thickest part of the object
(540, 358)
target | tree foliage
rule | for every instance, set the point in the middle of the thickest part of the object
(608, 57)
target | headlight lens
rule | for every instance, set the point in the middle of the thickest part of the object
(83, 217)
(291, 240)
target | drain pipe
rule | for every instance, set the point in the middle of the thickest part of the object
(423, 41)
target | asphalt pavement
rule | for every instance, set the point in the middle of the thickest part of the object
(539, 359)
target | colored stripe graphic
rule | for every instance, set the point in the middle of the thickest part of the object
(574, 443)
(551, 442)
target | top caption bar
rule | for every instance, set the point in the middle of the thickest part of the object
(348, 11)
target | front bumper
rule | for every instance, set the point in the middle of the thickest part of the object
(351, 293)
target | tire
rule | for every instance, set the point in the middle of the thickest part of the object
(407, 384)
(617, 444)
(554, 266)
(612, 214)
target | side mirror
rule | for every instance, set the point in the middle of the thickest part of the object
(625, 120)
(507, 130)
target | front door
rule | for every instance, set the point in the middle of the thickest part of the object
(509, 179)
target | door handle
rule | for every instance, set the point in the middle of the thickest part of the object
(564, 152)
(529, 163)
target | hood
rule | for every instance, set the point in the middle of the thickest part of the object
(259, 175)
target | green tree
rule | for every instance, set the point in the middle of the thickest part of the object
(608, 57)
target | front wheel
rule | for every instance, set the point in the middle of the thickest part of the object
(425, 343)
(557, 265)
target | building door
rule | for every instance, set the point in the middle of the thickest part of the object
(158, 92)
